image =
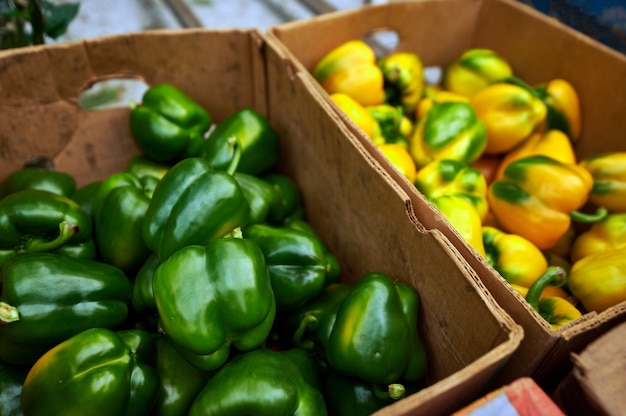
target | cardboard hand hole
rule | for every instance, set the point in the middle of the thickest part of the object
(112, 93)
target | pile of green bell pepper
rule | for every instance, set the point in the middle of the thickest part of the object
(190, 282)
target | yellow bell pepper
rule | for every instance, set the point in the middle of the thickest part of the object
(390, 119)
(403, 73)
(432, 95)
(359, 115)
(599, 280)
(556, 310)
(451, 177)
(448, 131)
(538, 196)
(548, 292)
(463, 217)
(606, 235)
(400, 158)
(351, 69)
(474, 70)
(510, 113)
(609, 180)
(553, 143)
(563, 105)
(517, 260)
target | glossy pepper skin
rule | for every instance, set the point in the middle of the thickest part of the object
(213, 297)
(563, 107)
(142, 166)
(258, 143)
(375, 336)
(449, 130)
(518, 260)
(359, 114)
(38, 221)
(452, 177)
(474, 70)
(556, 310)
(463, 216)
(60, 183)
(392, 123)
(606, 235)
(403, 73)
(122, 204)
(179, 381)
(296, 261)
(95, 369)
(434, 94)
(260, 382)
(510, 113)
(400, 158)
(289, 198)
(609, 180)
(193, 204)
(537, 196)
(262, 197)
(351, 69)
(599, 280)
(60, 297)
(168, 125)
(553, 143)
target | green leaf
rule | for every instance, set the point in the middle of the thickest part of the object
(59, 17)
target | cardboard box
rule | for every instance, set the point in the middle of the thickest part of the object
(539, 48)
(596, 383)
(361, 213)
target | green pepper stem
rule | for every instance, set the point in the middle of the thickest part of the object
(600, 214)
(520, 83)
(305, 324)
(66, 232)
(394, 391)
(234, 162)
(8, 313)
(554, 275)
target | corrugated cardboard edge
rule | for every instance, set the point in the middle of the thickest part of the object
(544, 350)
(482, 370)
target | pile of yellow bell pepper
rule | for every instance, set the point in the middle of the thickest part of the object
(496, 157)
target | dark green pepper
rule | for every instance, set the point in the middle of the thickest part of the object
(258, 140)
(263, 198)
(11, 381)
(352, 396)
(296, 261)
(193, 204)
(97, 370)
(46, 298)
(85, 195)
(180, 382)
(259, 382)
(142, 297)
(289, 198)
(310, 325)
(59, 183)
(375, 332)
(119, 211)
(214, 296)
(168, 125)
(142, 166)
(39, 221)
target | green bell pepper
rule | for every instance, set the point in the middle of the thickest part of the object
(193, 204)
(142, 166)
(97, 370)
(296, 262)
(310, 325)
(263, 198)
(120, 207)
(258, 140)
(60, 297)
(59, 183)
(214, 296)
(260, 382)
(142, 296)
(289, 197)
(168, 125)
(375, 336)
(39, 221)
(180, 382)
(11, 381)
(85, 195)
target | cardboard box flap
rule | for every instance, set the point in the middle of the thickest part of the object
(44, 98)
